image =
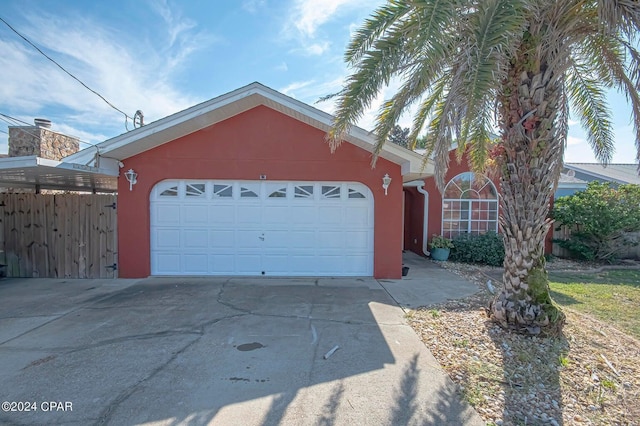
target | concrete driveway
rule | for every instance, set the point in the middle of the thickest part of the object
(237, 351)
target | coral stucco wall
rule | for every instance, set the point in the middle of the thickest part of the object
(414, 208)
(260, 141)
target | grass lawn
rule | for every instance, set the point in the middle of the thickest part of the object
(611, 296)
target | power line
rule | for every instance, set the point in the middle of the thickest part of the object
(6, 118)
(13, 124)
(6, 133)
(63, 69)
(17, 120)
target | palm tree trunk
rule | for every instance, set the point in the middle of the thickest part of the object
(530, 166)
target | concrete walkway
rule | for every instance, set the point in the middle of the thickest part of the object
(221, 351)
(426, 284)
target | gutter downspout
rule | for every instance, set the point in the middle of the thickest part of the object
(419, 185)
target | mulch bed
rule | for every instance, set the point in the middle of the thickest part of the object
(590, 375)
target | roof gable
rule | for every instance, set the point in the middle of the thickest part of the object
(618, 173)
(233, 103)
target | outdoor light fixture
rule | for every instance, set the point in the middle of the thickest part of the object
(132, 177)
(386, 181)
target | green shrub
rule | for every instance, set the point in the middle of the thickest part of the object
(438, 241)
(600, 219)
(487, 249)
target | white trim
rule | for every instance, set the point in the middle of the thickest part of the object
(233, 103)
(425, 224)
(419, 185)
(470, 201)
(572, 185)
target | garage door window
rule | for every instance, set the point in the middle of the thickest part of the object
(167, 190)
(279, 193)
(303, 191)
(355, 193)
(329, 192)
(195, 190)
(225, 191)
(247, 193)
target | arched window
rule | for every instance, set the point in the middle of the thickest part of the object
(469, 205)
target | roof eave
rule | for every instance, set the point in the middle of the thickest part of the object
(36, 172)
(233, 103)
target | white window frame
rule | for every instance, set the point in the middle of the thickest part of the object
(486, 203)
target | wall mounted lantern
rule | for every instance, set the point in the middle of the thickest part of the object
(386, 181)
(132, 178)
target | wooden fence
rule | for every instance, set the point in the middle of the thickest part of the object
(58, 235)
(564, 232)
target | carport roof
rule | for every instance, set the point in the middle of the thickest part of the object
(32, 172)
(236, 102)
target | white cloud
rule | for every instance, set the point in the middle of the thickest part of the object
(294, 87)
(130, 74)
(572, 140)
(176, 25)
(183, 38)
(88, 138)
(308, 15)
(310, 91)
(252, 6)
(282, 67)
(317, 49)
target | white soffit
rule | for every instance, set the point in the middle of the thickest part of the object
(228, 105)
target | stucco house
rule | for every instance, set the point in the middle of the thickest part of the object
(246, 184)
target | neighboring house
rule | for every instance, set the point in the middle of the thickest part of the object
(35, 154)
(616, 174)
(569, 184)
(576, 176)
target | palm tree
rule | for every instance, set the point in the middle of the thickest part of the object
(469, 66)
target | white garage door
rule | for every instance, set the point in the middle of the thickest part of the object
(261, 228)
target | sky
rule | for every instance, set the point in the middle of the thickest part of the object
(163, 56)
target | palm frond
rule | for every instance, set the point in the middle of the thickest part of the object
(426, 109)
(588, 99)
(439, 140)
(374, 71)
(419, 79)
(620, 15)
(374, 27)
(607, 55)
(495, 25)
(633, 67)
(560, 131)
(478, 147)
(442, 126)
(391, 52)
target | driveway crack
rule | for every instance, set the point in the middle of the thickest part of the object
(228, 304)
(106, 414)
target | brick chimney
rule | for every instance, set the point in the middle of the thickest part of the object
(41, 141)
